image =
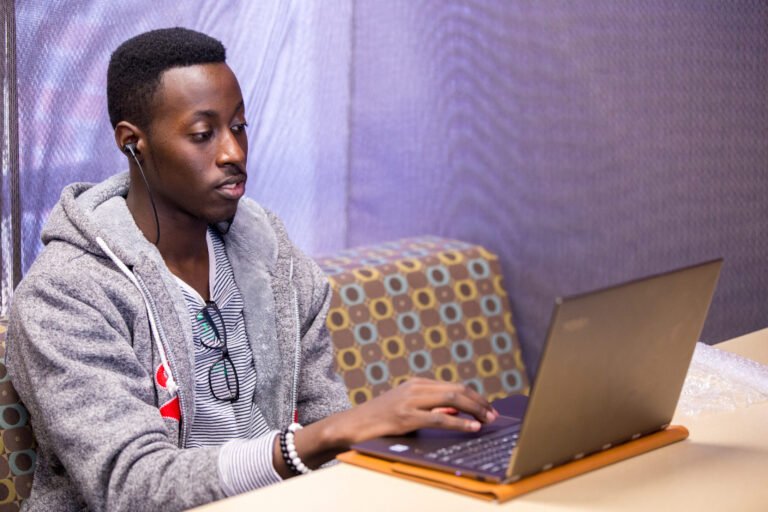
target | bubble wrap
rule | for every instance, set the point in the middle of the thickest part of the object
(719, 381)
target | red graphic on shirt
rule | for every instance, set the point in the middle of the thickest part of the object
(160, 377)
(170, 409)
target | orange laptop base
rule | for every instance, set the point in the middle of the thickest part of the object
(504, 492)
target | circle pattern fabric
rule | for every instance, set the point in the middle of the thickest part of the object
(427, 306)
(17, 444)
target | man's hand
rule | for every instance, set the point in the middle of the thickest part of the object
(418, 403)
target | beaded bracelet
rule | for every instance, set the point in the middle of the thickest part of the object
(286, 457)
(288, 449)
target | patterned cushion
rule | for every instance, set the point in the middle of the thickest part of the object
(425, 306)
(17, 444)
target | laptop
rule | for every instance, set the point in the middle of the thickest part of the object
(611, 371)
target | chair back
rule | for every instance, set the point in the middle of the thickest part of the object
(425, 306)
(17, 443)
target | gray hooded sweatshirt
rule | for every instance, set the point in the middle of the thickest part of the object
(83, 357)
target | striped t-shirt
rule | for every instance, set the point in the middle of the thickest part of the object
(242, 465)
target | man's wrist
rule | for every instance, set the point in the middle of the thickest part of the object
(337, 433)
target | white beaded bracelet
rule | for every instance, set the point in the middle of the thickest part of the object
(290, 455)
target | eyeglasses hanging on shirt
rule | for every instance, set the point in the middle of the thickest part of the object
(222, 376)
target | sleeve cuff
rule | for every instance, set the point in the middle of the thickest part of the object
(246, 464)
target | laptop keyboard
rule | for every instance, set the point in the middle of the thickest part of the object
(488, 453)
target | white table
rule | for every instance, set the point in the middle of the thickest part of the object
(722, 466)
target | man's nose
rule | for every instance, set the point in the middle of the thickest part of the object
(231, 151)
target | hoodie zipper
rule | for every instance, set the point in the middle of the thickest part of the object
(168, 353)
(297, 353)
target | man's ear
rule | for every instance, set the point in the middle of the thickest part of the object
(128, 134)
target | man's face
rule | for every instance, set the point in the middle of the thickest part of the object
(197, 144)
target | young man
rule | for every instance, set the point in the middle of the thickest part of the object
(170, 340)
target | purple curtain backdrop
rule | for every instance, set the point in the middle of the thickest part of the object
(292, 60)
(585, 143)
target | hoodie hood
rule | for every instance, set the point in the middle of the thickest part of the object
(86, 212)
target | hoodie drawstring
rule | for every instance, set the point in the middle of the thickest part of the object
(171, 382)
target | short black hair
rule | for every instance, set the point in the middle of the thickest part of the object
(136, 66)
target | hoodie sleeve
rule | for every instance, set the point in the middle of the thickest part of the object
(92, 402)
(321, 392)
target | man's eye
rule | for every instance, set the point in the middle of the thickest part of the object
(201, 136)
(239, 128)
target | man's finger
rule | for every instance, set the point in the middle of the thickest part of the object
(431, 395)
(447, 421)
(446, 410)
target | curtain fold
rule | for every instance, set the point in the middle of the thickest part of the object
(10, 197)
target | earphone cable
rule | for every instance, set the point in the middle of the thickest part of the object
(149, 190)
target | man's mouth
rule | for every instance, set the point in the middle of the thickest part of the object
(233, 188)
